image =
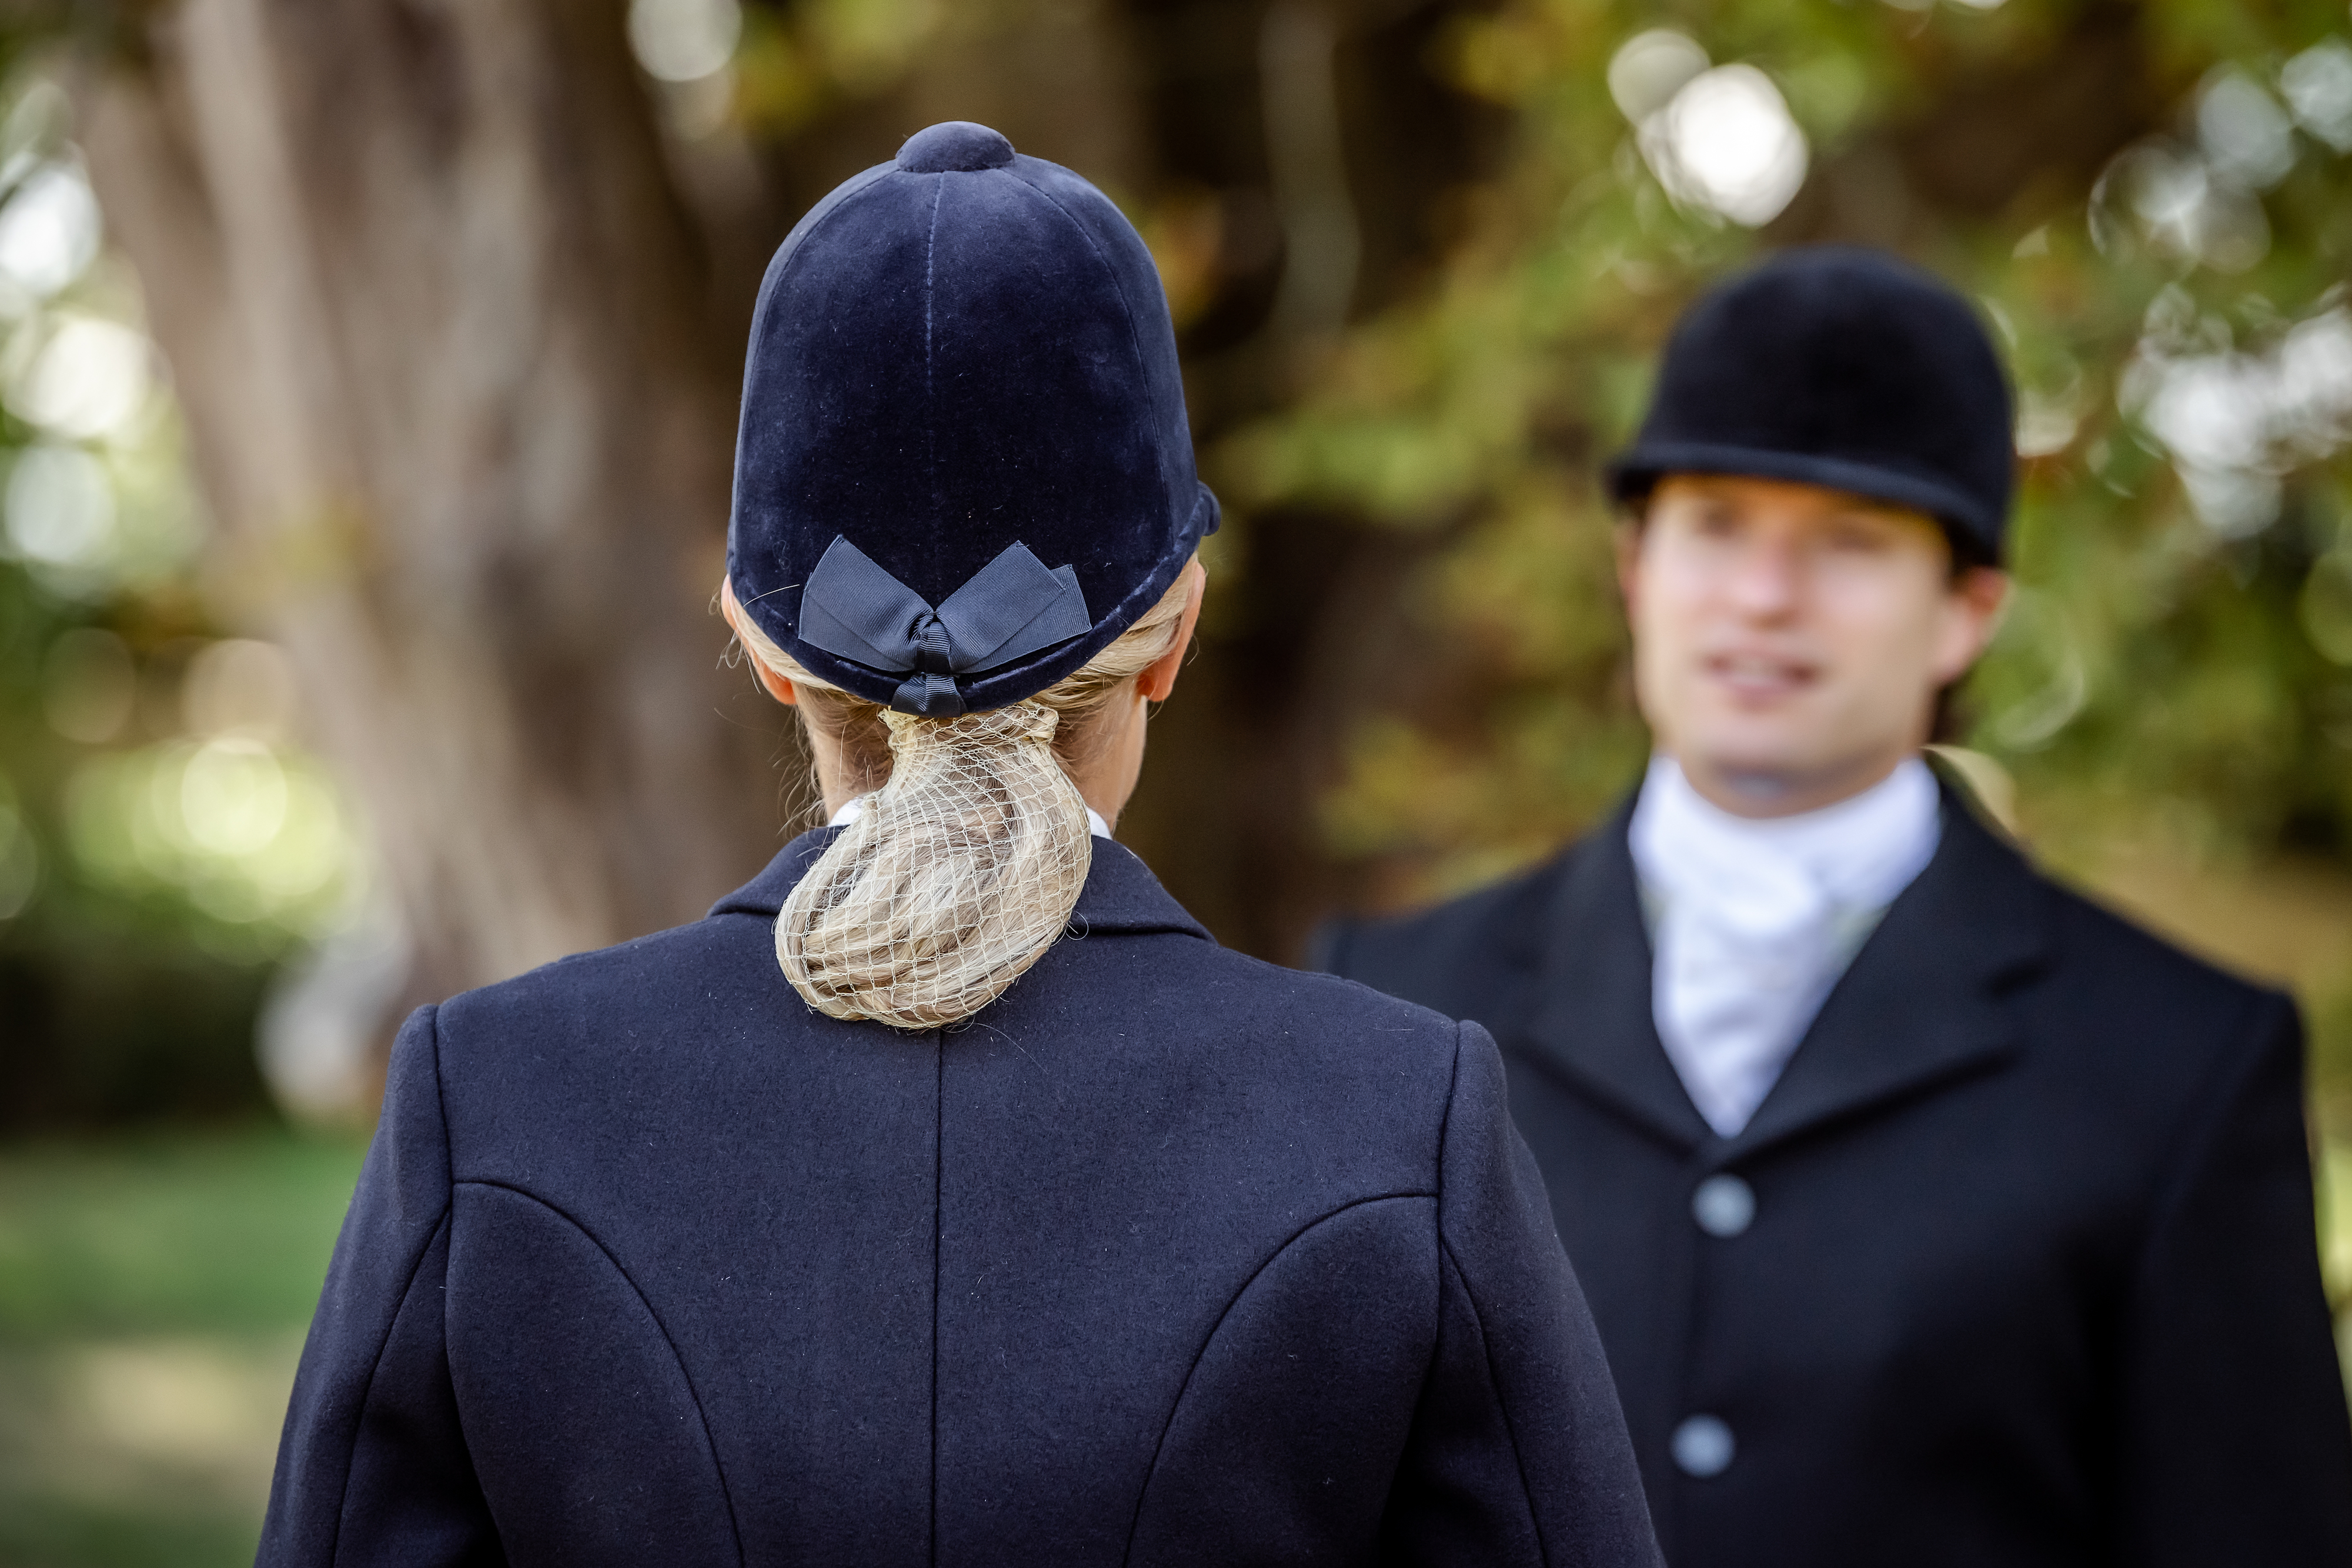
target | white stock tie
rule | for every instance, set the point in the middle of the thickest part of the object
(1753, 917)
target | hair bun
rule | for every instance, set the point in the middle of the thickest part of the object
(957, 874)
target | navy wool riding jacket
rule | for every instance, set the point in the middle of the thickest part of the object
(2014, 1267)
(1170, 1256)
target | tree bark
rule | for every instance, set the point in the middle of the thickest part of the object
(439, 327)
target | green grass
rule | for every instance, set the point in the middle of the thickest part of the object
(226, 1233)
(154, 1291)
(40, 1531)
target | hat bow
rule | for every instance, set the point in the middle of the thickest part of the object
(1010, 607)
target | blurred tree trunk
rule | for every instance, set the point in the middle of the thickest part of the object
(439, 323)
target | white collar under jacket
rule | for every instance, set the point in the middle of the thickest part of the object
(1754, 919)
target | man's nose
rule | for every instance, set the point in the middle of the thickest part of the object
(1765, 578)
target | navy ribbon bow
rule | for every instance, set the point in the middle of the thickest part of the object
(1010, 607)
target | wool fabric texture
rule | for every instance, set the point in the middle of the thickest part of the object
(1180, 1259)
(961, 363)
(2021, 1271)
(1842, 367)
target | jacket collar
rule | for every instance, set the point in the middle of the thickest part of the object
(1591, 1021)
(1920, 1006)
(1121, 894)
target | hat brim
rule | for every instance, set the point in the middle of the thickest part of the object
(1636, 471)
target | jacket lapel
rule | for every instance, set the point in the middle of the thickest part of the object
(1591, 1022)
(1922, 1005)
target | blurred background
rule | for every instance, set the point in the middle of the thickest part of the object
(367, 388)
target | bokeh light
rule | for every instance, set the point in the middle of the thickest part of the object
(89, 378)
(232, 797)
(247, 832)
(683, 40)
(1650, 67)
(2183, 209)
(2244, 133)
(2233, 420)
(2318, 86)
(59, 508)
(1719, 139)
(1730, 144)
(49, 231)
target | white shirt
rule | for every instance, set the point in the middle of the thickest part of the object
(849, 813)
(1754, 919)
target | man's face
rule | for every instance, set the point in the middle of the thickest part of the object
(1789, 640)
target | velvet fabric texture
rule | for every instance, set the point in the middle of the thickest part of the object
(2014, 1268)
(1177, 1257)
(1842, 367)
(953, 354)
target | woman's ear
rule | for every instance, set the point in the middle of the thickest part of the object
(777, 686)
(1158, 677)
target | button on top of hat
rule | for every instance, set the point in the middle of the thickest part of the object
(953, 146)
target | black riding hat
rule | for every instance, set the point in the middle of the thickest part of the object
(1842, 367)
(964, 466)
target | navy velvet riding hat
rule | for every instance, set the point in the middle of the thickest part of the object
(1842, 367)
(965, 466)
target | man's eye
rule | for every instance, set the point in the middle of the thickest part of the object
(1857, 538)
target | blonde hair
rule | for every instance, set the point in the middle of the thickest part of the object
(967, 859)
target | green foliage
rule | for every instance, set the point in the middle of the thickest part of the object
(2175, 673)
(2183, 635)
(162, 843)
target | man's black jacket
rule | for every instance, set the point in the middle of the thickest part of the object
(1171, 1256)
(2018, 1267)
